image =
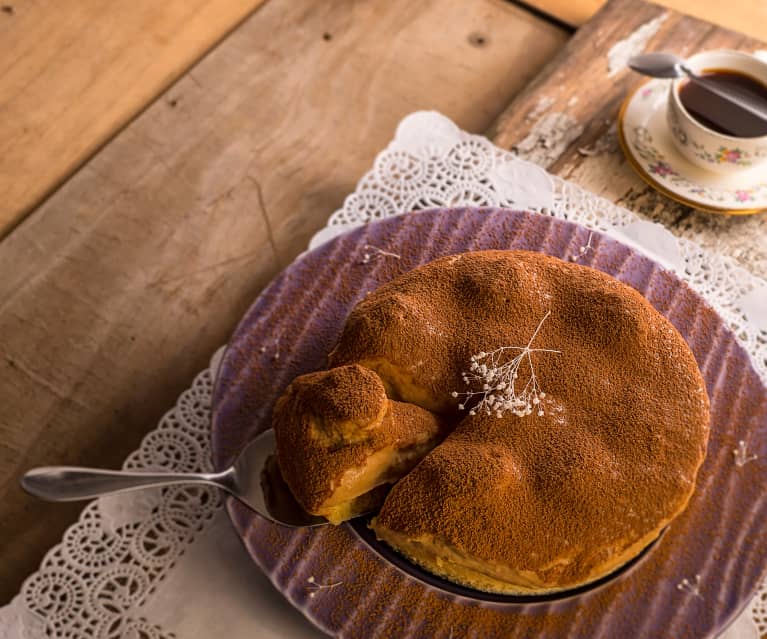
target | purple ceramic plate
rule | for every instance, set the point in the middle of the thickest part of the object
(692, 583)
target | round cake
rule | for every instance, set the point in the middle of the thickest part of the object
(576, 413)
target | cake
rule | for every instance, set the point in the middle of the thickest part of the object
(541, 423)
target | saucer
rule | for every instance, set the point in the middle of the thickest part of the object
(648, 145)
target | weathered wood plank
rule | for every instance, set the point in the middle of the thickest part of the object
(747, 16)
(572, 12)
(73, 72)
(565, 120)
(115, 292)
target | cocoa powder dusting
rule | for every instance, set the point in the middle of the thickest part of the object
(626, 413)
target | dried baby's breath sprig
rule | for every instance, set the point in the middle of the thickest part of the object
(373, 252)
(583, 250)
(313, 586)
(691, 586)
(742, 456)
(275, 346)
(501, 389)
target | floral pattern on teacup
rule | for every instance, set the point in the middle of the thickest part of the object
(723, 155)
(659, 167)
(676, 127)
(729, 155)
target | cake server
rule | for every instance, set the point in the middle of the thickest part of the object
(253, 479)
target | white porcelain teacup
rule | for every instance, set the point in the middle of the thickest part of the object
(703, 146)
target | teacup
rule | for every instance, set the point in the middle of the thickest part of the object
(703, 146)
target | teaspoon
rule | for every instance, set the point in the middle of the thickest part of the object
(668, 65)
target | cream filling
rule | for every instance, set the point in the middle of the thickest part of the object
(384, 466)
(400, 385)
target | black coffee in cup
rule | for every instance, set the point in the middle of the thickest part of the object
(718, 114)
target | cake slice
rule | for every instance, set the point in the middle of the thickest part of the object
(341, 442)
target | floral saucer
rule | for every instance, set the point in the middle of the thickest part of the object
(648, 145)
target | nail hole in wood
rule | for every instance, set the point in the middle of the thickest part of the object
(173, 103)
(477, 40)
(6, 8)
(327, 37)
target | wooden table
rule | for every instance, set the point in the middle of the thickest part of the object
(115, 290)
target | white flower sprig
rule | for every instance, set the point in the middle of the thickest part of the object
(583, 250)
(501, 389)
(373, 252)
(313, 586)
(741, 455)
(690, 586)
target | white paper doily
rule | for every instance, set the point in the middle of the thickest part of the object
(108, 576)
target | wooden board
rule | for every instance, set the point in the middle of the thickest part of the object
(573, 105)
(73, 72)
(747, 16)
(117, 290)
(572, 12)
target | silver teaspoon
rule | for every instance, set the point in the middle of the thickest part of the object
(668, 65)
(254, 479)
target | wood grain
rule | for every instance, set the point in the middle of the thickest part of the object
(74, 72)
(116, 291)
(747, 16)
(572, 132)
(573, 12)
